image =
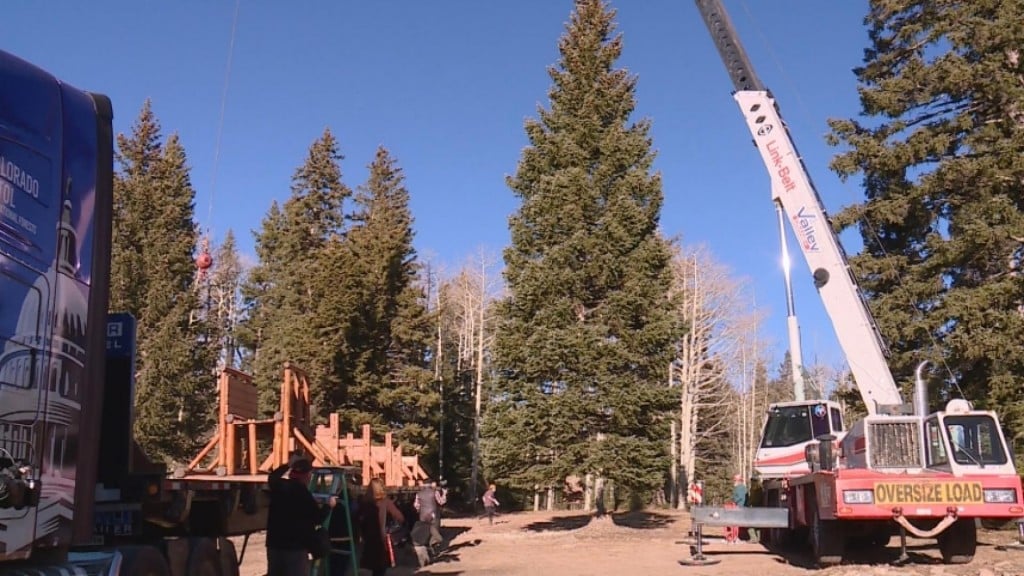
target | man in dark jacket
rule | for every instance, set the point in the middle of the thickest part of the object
(292, 519)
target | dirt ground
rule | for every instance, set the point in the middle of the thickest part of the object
(648, 543)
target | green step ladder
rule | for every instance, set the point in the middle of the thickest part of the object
(330, 481)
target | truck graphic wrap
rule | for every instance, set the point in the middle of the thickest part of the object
(51, 172)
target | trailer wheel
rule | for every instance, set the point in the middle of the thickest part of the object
(826, 536)
(959, 542)
(203, 558)
(228, 558)
(142, 561)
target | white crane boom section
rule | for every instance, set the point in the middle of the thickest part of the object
(792, 188)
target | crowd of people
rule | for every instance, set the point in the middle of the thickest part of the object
(301, 530)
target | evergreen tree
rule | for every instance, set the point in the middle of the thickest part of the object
(385, 362)
(780, 388)
(585, 335)
(287, 288)
(135, 157)
(942, 224)
(153, 260)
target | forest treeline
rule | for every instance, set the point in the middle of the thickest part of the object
(597, 339)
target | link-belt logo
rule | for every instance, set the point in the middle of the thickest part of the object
(929, 493)
(778, 163)
(806, 228)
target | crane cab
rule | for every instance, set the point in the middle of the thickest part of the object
(788, 429)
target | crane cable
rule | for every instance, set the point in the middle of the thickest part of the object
(805, 112)
(220, 120)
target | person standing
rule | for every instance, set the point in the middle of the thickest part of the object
(490, 502)
(755, 498)
(292, 518)
(738, 500)
(422, 533)
(374, 509)
(428, 503)
(441, 497)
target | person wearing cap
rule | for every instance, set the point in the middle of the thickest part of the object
(738, 500)
(292, 518)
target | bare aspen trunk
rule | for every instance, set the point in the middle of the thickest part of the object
(479, 382)
(712, 371)
(674, 471)
(438, 351)
(551, 498)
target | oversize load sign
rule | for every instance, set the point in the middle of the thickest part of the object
(929, 493)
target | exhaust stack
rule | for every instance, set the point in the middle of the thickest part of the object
(920, 391)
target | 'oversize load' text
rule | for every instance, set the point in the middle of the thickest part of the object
(929, 493)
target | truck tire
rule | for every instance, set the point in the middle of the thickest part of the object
(228, 558)
(142, 561)
(828, 542)
(959, 542)
(203, 558)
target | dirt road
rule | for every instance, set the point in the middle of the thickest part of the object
(642, 544)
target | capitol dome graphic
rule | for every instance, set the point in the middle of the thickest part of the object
(41, 371)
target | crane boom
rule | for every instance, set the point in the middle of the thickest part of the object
(793, 190)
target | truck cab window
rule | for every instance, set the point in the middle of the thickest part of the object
(837, 420)
(820, 420)
(974, 440)
(786, 426)
(934, 444)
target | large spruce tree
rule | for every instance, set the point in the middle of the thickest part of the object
(285, 291)
(940, 150)
(153, 275)
(385, 362)
(586, 332)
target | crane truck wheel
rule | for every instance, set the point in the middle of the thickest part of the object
(142, 561)
(827, 540)
(203, 558)
(959, 542)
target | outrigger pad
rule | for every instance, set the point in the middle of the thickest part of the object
(699, 561)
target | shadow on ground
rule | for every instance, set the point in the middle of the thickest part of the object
(800, 557)
(449, 533)
(560, 523)
(450, 554)
(642, 520)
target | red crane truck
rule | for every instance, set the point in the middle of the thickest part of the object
(901, 469)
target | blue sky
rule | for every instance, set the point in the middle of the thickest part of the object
(446, 86)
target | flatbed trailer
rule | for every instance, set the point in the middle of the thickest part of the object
(77, 494)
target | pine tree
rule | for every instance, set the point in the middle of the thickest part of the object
(136, 156)
(585, 337)
(385, 362)
(942, 87)
(287, 288)
(153, 279)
